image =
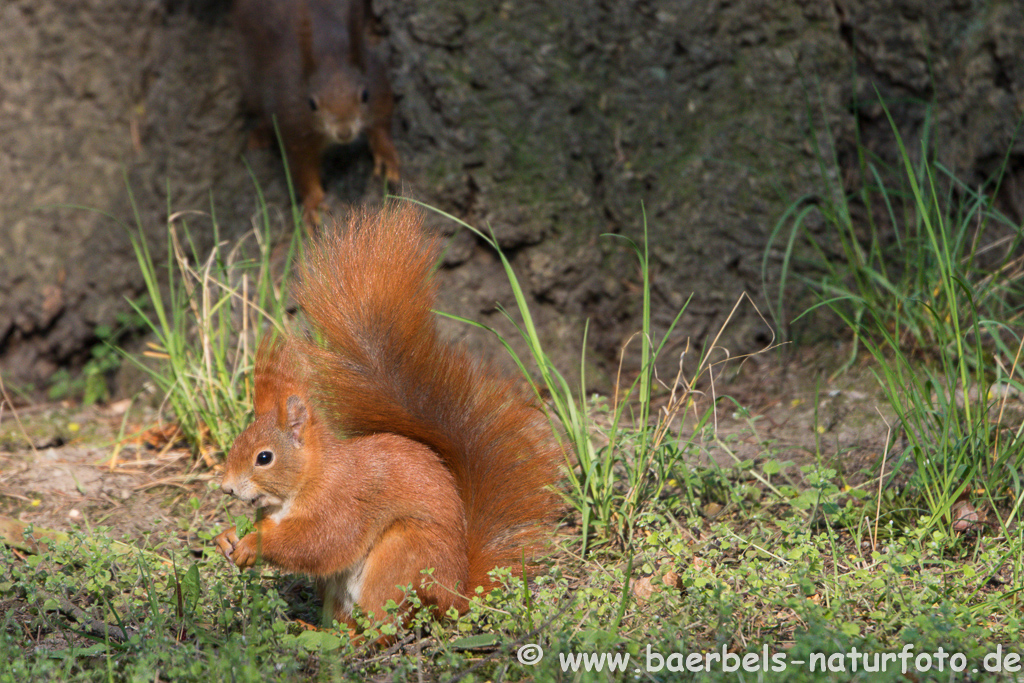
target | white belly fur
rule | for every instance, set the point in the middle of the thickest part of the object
(343, 590)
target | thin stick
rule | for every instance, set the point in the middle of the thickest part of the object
(100, 628)
(7, 400)
(881, 477)
(1006, 395)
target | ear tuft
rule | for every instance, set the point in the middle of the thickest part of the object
(298, 416)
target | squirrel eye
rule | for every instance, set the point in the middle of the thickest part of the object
(264, 458)
(313, 104)
(364, 96)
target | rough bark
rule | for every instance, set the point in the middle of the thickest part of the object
(551, 122)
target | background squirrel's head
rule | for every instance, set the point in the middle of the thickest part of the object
(339, 100)
(268, 462)
(337, 86)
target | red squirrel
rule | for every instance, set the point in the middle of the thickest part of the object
(307, 65)
(378, 450)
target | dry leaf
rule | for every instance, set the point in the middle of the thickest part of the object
(966, 517)
(643, 588)
(672, 580)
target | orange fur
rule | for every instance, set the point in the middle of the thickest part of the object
(443, 463)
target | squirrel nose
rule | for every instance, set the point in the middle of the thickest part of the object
(227, 488)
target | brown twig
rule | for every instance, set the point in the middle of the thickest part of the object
(181, 481)
(10, 404)
(98, 627)
(881, 477)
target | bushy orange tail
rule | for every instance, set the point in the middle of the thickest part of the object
(379, 365)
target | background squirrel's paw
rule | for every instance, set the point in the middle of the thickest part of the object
(312, 198)
(226, 542)
(386, 167)
(311, 216)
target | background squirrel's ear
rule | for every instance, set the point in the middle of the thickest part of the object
(360, 16)
(297, 417)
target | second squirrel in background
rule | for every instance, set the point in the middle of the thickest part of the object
(443, 465)
(307, 65)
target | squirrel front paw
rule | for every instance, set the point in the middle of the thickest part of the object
(385, 157)
(244, 553)
(240, 551)
(226, 541)
(386, 166)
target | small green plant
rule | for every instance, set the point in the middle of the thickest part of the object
(91, 383)
(92, 609)
(141, 613)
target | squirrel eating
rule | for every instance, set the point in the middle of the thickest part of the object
(378, 450)
(306, 64)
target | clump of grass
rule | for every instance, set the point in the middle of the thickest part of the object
(939, 312)
(615, 485)
(895, 251)
(205, 313)
(592, 476)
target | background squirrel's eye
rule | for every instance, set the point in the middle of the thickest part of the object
(264, 458)
(364, 96)
(312, 103)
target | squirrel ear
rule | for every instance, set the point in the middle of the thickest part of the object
(297, 418)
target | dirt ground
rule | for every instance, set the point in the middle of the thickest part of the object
(61, 469)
